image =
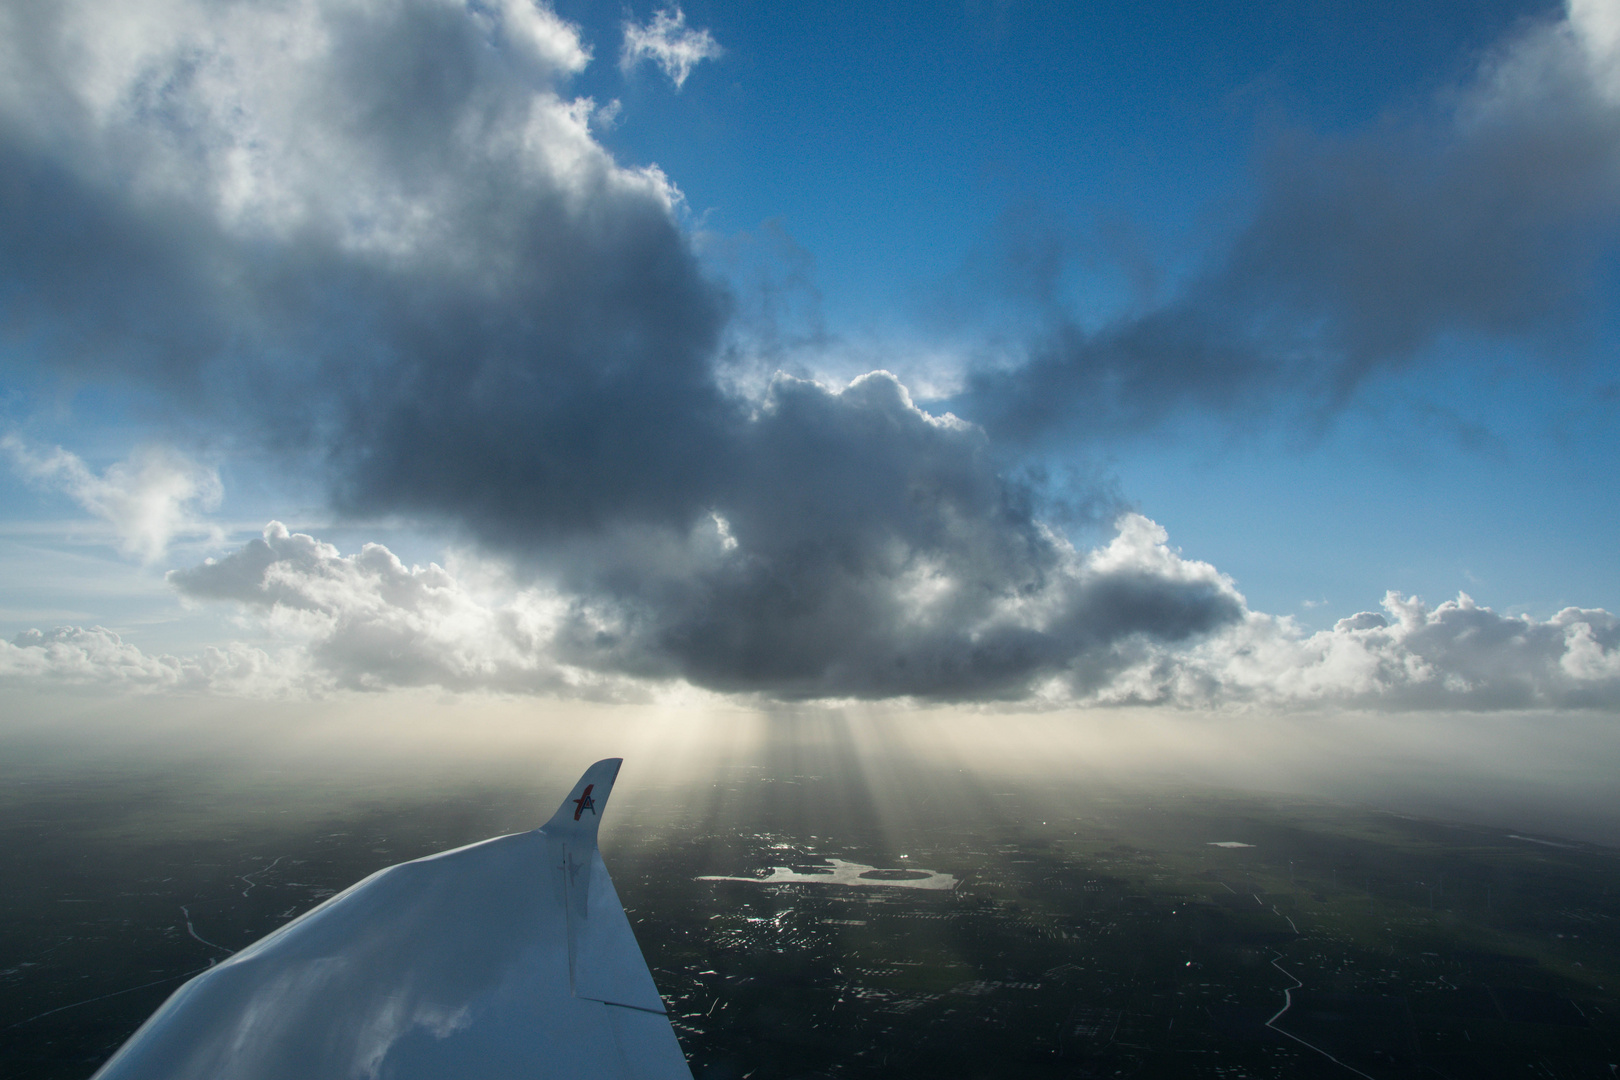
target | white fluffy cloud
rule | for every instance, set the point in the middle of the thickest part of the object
(313, 116)
(148, 499)
(667, 41)
(368, 621)
(98, 657)
(1456, 655)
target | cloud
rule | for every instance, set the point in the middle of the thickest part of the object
(359, 233)
(98, 657)
(1489, 218)
(908, 585)
(382, 240)
(1455, 656)
(668, 42)
(377, 239)
(862, 547)
(1131, 622)
(147, 499)
(367, 621)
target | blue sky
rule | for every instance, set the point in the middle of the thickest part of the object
(1322, 293)
(889, 141)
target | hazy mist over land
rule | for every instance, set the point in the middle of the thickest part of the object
(1510, 770)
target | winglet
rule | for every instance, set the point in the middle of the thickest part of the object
(580, 813)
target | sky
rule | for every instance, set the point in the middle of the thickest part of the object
(987, 355)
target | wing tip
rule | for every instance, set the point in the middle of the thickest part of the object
(581, 810)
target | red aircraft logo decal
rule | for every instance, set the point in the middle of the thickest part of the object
(584, 803)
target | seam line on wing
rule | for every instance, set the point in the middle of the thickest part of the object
(622, 1005)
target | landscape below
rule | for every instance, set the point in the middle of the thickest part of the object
(1153, 930)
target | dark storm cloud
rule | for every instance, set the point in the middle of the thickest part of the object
(402, 250)
(378, 239)
(864, 548)
(1361, 252)
(895, 563)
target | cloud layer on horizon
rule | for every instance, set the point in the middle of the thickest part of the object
(367, 622)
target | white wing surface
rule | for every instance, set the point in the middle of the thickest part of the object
(504, 959)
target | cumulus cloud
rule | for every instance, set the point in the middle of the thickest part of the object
(667, 41)
(1454, 656)
(383, 238)
(148, 499)
(1488, 218)
(368, 621)
(1129, 622)
(378, 235)
(1132, 621)
(870, 549)
(911, 592)
(96, 656)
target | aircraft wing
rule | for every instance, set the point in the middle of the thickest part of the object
(508, 958)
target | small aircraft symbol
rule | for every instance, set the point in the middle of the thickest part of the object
(584, 803)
